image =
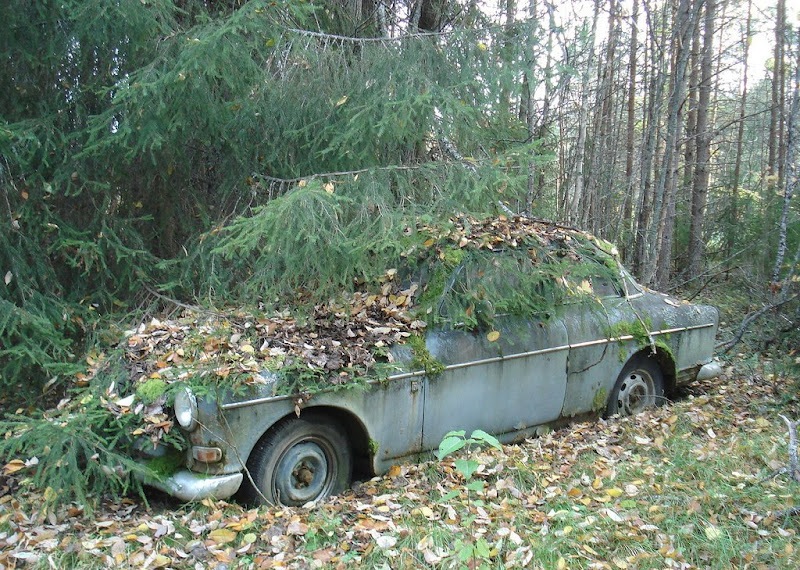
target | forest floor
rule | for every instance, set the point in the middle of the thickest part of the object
(693, 484)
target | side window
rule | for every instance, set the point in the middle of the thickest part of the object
(605, 286)
(631, 286)
(490, 284)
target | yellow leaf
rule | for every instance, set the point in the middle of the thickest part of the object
(328, 186)
(597, 483)
(562, 564)
(493, 336)
(160, 561)
(13, 466)
(614, 492)
(341, 101)
(712, 532)
(50, 495)
(222, 535)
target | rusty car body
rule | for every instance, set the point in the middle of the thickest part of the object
(629, 351)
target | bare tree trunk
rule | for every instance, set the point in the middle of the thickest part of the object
(655, 68)
(689, 151)
(685, 22)
(701, 171)
(627, 207)
(666, 226)
(777, 80)
(793, 134)
(603, 150)
(509, 8)
(733, 219)
(579, 204)
(551, 93)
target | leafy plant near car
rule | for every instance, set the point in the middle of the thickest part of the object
(475, 553)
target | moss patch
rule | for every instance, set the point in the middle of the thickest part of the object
(600, 399)
(423, 358)
(151, 390)
(639, 330)
(166, 465)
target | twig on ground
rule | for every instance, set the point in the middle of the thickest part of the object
(787, 513)
(794, 471)
(749, 319)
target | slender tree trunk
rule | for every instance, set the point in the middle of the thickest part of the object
(733, 218)
(666, 232)
(702, 168)
(659, 261)
(551, 93)
(656, 78)
(792, 140)
(600, 178)
(627, 207)
(690, 149)
(775, 133)
(579, 204)
(509, 8)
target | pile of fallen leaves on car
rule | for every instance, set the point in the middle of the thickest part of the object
(516, 231)
(339, 339)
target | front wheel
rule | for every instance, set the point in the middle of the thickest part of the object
(299, 461)
(640, 386)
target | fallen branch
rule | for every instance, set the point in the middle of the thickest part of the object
(793, 470)
(787, 513)
(750, 318)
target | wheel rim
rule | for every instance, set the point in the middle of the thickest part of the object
(304, 473)
(636, 393)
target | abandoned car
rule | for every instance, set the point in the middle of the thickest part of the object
(507, 326)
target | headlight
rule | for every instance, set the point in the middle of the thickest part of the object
(186, 409)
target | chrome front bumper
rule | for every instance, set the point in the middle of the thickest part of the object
(188, 486)
(709, 370)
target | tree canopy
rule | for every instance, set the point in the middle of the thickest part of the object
(231, 152)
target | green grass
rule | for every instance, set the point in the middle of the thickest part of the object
(688, 484)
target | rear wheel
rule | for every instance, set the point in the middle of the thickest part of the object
(640, 386)
(299, 461)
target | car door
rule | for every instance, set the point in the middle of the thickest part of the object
(500, 386)
(595, 359)
(504, 375)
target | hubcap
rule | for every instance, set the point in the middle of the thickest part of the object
(636, 393)
(302, 474)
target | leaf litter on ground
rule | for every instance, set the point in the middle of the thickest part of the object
(683, 486)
